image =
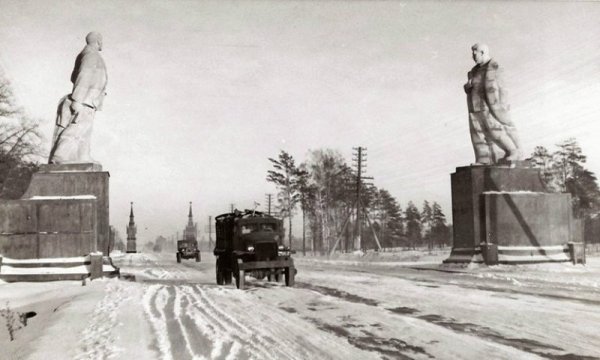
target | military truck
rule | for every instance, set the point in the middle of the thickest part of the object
(251, 243)
(187, 249)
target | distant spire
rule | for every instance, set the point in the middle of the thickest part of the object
(131, 213)
(190, 231)
(131, 232)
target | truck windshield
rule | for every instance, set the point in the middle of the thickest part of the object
(267, 227)
(250, 228)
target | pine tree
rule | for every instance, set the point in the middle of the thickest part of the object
(413, 225)
(440, 232)
(564, 171)
(285, 176)
(426, 221)
(542, 159)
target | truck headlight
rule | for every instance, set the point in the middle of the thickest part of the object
(281, 247)
(250, 248)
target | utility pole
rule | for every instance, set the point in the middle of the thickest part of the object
(360, 164)
(269, 197)
(359, 160)
(209, 233)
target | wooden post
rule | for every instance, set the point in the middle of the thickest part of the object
(96, 265)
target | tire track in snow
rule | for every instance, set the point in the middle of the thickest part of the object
(256, 337)
(177, 337)
(282, 335)
(200, 344)
(220, 344)
(181, 333)
(225, 337)
(98, 339)
(157, 321)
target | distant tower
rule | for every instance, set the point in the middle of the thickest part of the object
(190, 230)
(131, 232)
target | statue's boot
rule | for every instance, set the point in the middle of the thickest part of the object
(511, 131)
(504, 142)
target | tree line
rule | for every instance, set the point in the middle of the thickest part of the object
(323, 189)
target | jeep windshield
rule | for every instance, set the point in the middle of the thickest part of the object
(186, 244)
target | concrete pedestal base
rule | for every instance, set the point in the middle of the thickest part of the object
(63, 213)
(503, 214)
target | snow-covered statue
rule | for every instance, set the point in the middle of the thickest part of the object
(490, 123)
(75, 113)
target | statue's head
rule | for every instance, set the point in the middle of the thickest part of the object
(94, 39)
(481, 53)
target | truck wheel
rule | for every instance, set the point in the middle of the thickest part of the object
(240, 280)
(290, 274)
(178, 257)
(228, 276)
(241, 276)
(219, 271)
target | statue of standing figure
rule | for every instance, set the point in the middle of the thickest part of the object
(489, 112)
(75, 113)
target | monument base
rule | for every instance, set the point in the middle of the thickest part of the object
(503, 215)
(61, 218)
(464, 255)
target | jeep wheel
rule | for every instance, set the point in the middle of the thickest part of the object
(178, 257)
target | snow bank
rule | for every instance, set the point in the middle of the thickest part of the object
(66, 260)
(9, 270)
(76, 197)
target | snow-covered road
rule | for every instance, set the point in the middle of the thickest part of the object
(356, 310)
(338, 310)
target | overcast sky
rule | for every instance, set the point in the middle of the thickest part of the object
(200, 94)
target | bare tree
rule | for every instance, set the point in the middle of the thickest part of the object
(19, 144)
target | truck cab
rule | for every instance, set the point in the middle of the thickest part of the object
(251, 242)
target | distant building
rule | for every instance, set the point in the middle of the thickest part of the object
(191, 229)
(131, 233)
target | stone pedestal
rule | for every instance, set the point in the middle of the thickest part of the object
(76, 180)
(63, 213)
(48, 227)
(507, 212)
